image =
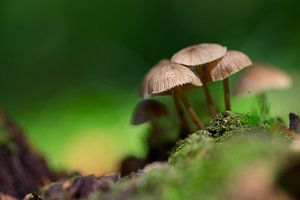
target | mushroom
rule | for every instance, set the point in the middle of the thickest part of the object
(172, 79)
(144, 94)
(143, 90)
(197, 56)
(158, 145)
(185, 129)
(258, 79)
(221, 69)
(148, 110)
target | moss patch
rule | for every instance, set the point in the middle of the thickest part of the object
(204, 166)
(196, 145)
(228, 121)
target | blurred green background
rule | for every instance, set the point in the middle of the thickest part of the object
(70, 70)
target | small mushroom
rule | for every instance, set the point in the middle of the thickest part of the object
(221, 69)
(185, 129)
(261, 77)
(173, 79)
(143, 89)
(144, 94)
(258, 79)
(148, 110)
(197, 56)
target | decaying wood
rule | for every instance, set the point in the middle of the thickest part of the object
(23, 170)
(294, 123)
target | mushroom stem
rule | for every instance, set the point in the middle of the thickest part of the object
(189, 109)
(210, 103)
(226, 94)
(264, 107)
(185, 128)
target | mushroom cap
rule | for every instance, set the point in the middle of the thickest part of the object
(199, 54)
(148, 110)
(144, 87)
(232, 62)
(261, 77)
(169, 76)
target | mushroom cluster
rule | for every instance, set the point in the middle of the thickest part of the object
(200, 64)
(192, 67)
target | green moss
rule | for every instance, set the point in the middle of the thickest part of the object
(222, 127)
(205, 177)
(228, 121)
(196, 145)
(203, 166)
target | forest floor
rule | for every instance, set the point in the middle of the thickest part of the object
(238, 156)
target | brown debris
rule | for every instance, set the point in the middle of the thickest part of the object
(6, 197)
(32, 196)
(131, 164)
(22, 169)
(294, 123)
(80, 187)
(293, 130)
(288, 177)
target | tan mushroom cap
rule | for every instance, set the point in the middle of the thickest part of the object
(148, 110)
(169, 76)
(232, 62)
(144, 87)
(199, 54)
(262, 77)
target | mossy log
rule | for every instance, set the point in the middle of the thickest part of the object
(236, 155)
